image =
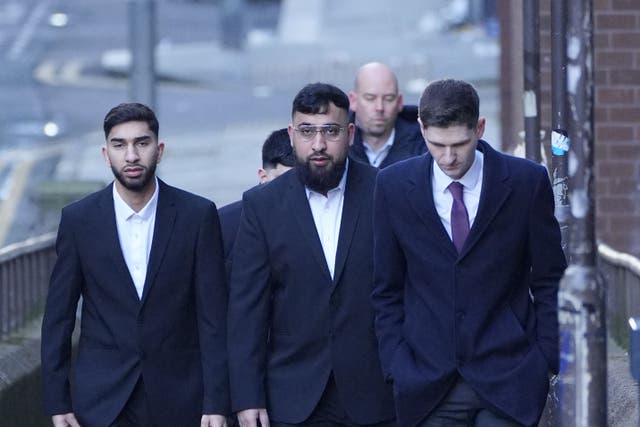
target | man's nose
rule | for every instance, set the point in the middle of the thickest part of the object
(449, 155)
(318, 143)
(132, 153)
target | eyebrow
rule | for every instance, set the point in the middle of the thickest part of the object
(461, 142)
(323, 124)
(136, 139)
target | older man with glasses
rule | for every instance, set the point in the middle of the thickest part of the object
(302, 348)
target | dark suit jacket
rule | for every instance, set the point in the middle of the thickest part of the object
(229, 222)
(408, 141)
(290, 324)
(174, 336)
(440, 315)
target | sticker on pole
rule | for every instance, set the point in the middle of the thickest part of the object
(560, 143)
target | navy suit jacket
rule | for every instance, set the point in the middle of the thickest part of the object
(290, 323)
(408, 141)
(229, 222)
(488, 315)
(174, 336)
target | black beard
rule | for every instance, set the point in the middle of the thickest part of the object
(137, 185)
(320, 180)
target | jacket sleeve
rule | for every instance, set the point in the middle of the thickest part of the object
(547, 267)
(249, 296)
(389, 276)
(211, 303)
(59, 320)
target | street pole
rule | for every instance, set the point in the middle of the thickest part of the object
(560, 136)
(531, 99)
(581, 299)
(142, 41)
(232, 26)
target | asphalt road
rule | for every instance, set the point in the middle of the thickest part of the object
(50, 72)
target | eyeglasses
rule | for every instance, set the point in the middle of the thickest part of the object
(329, 132)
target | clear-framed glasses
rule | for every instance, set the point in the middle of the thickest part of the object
(329, 132)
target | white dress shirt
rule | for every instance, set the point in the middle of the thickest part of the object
(376, 157)
(471, 184)
(135, 232)
(327, 215)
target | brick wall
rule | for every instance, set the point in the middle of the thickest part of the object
(617, 109)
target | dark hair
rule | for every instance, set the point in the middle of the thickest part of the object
(314, 98)
(449, 102)
(130, 112)
(277, 150)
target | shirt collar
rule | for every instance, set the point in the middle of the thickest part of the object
(386, 146)
(124, 211)
(341, 185)
(468, 180)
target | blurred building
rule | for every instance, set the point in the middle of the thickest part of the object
(616, 108)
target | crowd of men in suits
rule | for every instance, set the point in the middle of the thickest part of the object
(391, 268)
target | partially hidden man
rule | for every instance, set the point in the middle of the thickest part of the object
(147, 260)
(302, 349)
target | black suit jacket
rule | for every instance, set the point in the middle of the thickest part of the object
(175, 336)
(408, 141)
(229, 222)
(488, 315)
(290, 324)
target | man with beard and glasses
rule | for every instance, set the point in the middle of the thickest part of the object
(147, 260)
(302, 349)
(386, 130)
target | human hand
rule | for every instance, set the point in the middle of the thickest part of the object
(65, 420)
(249, 417)
(213, 421)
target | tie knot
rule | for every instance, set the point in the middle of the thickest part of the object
(456, 190)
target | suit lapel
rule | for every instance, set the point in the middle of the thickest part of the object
(105, 231)
(493, 195)
(299, 205)
(354, 193)
(420, 196)
(165, 221)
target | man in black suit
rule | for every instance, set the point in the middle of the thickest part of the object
(277, 158)
(147, 260)
(468, 260)
(386, 130)
(302, 350)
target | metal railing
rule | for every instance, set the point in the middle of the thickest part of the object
(25, 268)
(621, 272)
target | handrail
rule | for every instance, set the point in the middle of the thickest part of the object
(25, 268)
(621, 272)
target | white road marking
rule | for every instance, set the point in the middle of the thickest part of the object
(28, 30)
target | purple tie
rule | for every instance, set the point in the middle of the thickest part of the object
(459, 216)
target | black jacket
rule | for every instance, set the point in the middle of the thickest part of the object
(408, 141)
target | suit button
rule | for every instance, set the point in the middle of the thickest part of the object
(460, 315)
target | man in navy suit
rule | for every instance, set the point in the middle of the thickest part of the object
(468, 330)
(277, 158)
(147, 260)
(302, 350)
(386, 130)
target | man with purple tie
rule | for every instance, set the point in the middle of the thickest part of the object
(467, 264)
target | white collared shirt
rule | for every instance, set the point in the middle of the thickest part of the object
(135, 232)
(327, 215)
(376, 157)
(472, 186)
